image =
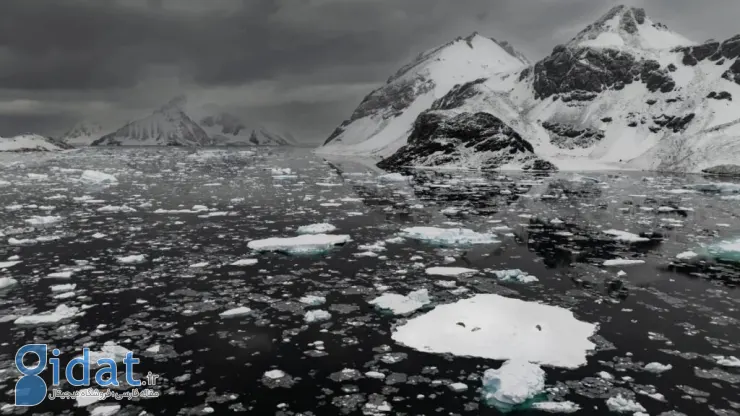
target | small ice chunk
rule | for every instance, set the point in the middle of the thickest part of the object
(316, 316)
(514, 383)
(515, 275)
(657, 367)
(63, 288)
(375, 375)
(622, 262)
(274, 374)
(199, 265)
(401, 305)
(236, 312)
(115, 208)
(393, 177)
(60, 275)
(95, 177)
(730, 361)
(304, 244)
(687, 255)
(312, 300)
(105, 410)
(50, 317)
(449, 271)
(132, 259)
(6, 282)
(556, 407)
(626, 236)
(245, 262)
(9, 264)
(322, 228)
(621, 404)
(40, 220)
(448, 236)
(458, 387)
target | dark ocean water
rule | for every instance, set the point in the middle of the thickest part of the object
(660, 311)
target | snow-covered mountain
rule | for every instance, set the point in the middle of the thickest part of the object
(383, 121)
(30, 143)
(167, 126)
(227, 129)
(625, 93)
(83, 133)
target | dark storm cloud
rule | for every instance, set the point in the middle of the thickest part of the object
(309, 61)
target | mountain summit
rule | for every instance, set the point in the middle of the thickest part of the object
(625, 93)
(383, 120)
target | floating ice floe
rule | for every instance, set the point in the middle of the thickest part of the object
(556, 407)
(514, 384)
(515, 275)
(37, 176)
(67, 274)
(281, 171)
(245, 262)
(6, 282)
(316, 316)
(132, 259)
(63, 288)
(236, 312)
(657, 367)
(449, 271)
(312, 300)
(401, 305)
(32, 241)
(199, 265)
(715, 188)
(109, 350)
(95, 177)
(9, 264)
(448, 236)
(622, 262)
(60, 313)
(38, 220)
(105, 410)
(393, 177)
(626, 236)
(316, 229)
(687, 255)
(621, 404)
(728, 250)
(114, 209)
(304, 244)
(500, 328)
(730, 361)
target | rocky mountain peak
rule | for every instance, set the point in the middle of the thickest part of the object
(176, 104)
(628, 28)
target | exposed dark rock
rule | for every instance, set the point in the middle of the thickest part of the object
(439, 139)
(733, 73)
(568, 137)
(724, 170)
(607, 119)
(539, 165)
(722, 95)
(458, 95)
(651, 101)
(583, 69)
(675, 123)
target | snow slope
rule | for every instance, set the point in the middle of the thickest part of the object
(30, 143)
(384, 119)
(167, 126)
(625, 93)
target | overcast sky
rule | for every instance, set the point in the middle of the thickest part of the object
(301, 64)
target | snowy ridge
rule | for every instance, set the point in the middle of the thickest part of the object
(625, 93)
(83, 134)
(30, 143)
(382, 122)
(228, 130)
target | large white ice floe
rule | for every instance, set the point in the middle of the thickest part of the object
(95, 177)
(727, 250)
(322, 228)
(448, 236)
(318, 315)
(43, 220)
(245, 262)
(621, 404)
(132, 259)
(303, 244)
(513, 384)
(556, 407)
(622, 262)
(501, 328)
(449, 271)
(401, 305)
(50, 317)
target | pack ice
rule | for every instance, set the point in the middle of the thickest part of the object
(448, 236)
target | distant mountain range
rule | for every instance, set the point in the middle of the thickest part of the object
(170, 125)
(625, 93)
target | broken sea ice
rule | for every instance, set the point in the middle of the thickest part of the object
(448, 236)
(304, 244)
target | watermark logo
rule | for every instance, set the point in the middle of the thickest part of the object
(31, 389)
